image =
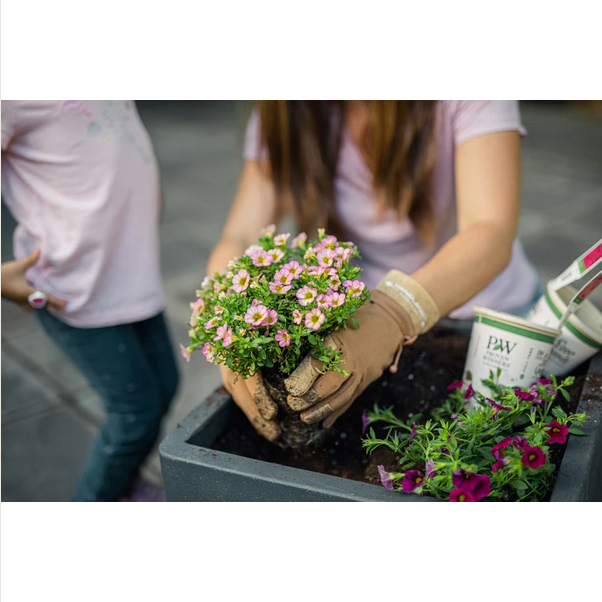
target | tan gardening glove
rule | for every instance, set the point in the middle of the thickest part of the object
(251, 396)
(400, 310)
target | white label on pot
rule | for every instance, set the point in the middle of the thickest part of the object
(580, 267)
(520, 353)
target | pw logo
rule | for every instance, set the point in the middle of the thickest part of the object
(496, 344)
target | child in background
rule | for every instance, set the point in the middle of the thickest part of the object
(81, 179)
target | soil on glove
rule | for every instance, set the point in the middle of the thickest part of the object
(426, 368)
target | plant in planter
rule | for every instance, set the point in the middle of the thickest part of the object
(275, 304)
(501, 450)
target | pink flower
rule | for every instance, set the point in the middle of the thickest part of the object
(431, 473)
(354, 287)
(198, 306)
(283, 338)
(323, 301)
(221, 331)
(314, 319)
(336, 299)
(280, 240)
(240, 282)
(299, 240)
(255, 302)
(329, 242)
(209, 324)
(261, 259)
(306, 295)
(315, 270)
(208, 352)
(342, 254)
(279, 289)
(297, 317)
(185, 353)
(256, 314)
(325, 258)
(309, 254)
(228, 340)
(283, 276)
(335, 282)
(276, 255)
(271, 318)
(268, 231)
(365, 422)
(294, 269)
(385, 478)
(556, 432)
(218, 309)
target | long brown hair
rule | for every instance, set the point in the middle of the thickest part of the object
(303, 139)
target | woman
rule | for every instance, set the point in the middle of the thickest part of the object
(81, 179)
(428, 190)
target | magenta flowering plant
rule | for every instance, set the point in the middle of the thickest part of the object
(277, 303)
(499, 450)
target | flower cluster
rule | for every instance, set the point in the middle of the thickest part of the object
(276, 303)
(499, 450)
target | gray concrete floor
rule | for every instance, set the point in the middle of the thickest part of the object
(49, 412)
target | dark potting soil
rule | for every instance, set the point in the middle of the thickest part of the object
(420, 386)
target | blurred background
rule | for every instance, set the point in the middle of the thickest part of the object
(49, 413)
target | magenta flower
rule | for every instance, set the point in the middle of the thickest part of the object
(465, 479)
(208, 352)
(314, 319)
(323, 302)
(261, 259)
(325, 258)
(519, 442)
(365, 421)
(306, 295)
(430, 469)
(533, 457)
(279, 289)
(271, 318)
(503, 461)
(469, 392)
(336, 299)
(280, 240)
(481, 487)
(412, 433)
(276, 255)
(385, 478)
(455, 385)
(496, 450)
(240, 281)
(256, 314)
(556, 432)
(354, 287)
(185, 353)
(299, 240)
(221, 332)
(412, 480)
(228, 340)
(461, 495)
(524, 395)
(297, 316)
(283, 338)
(497, 408)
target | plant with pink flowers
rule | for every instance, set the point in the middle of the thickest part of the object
(277, 303)
(499, 450)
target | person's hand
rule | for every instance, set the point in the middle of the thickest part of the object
(16, 287)
(251, 396)
(400, 309)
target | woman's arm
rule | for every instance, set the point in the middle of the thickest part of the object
(487, 191)
(254, 207)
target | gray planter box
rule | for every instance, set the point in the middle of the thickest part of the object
(193, 472)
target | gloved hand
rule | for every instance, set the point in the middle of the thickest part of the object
(400, 310)
(251, 396)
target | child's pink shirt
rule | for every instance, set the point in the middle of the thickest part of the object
(388, 243)
(81, 179)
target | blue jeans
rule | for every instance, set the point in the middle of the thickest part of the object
(464, 326)
(133, 368)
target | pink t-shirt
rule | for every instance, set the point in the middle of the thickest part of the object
(82, 181)
(388, 242)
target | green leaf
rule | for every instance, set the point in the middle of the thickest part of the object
(575, 431)
(565, 394)
(355, 323)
